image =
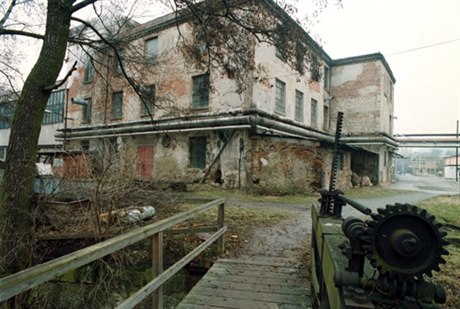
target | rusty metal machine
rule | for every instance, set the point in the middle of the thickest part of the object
(380, 262)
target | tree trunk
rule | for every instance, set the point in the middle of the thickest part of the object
(16, 211)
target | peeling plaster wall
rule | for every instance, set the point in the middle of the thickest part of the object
(273, 68)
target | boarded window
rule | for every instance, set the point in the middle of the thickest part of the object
(151, 50)
(200, 91)
(119, 60)
(197, 148)
(280, 96)
(298, 105)
(86, 111)
(147, 100)
(117, 105)
(54, 112)
(326, 118)
(314, 113)
(144, 161)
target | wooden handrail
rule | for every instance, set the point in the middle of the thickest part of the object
(31, 277)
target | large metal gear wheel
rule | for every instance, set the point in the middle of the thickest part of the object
(404, 242)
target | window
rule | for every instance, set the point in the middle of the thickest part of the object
(121, 54)
(117, 105)
(3, 153)
(327, 78)
(281, 43)
(151, 50)
(197, 148)
(147, 100)
(300, 52)
(298, 105)
(86, 111)
(54, 112)
(314, 113)
(326, 118)
(6, 114)
(314, 67)
(89, 71)
(280, 96)
(200, 91)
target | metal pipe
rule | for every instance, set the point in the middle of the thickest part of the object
(356, 205)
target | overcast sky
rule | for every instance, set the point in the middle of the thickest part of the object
(427, 90)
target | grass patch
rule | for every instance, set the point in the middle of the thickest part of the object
(371, 192)
(447, 211)
(250, 197)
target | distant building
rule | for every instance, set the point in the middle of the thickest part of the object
(450, 167)
(424, 166)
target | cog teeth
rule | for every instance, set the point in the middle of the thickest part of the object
(436, 268)
(381, 211)
(442, 233)
(442, 261)
(444, 252)
(444, 243)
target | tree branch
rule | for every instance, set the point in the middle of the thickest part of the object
(7, 14)
(81, 5)
(23, 33)
(56, 86)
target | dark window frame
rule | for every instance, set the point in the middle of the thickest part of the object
(55, 108)
(86, 111)
(314, 113)
(147, 100)
(299, 99)
(89, 71)
(117, 105)
(7, 110)
(197, 151)
(200, 91)
(280, 96)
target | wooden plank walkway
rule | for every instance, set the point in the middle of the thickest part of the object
(250, 284)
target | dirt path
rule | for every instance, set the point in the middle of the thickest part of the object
(288, 241)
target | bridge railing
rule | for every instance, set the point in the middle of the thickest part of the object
(31, 277)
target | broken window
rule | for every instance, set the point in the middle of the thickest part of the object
(200, 91)
(298, 105)
(197, 148)
(327, 78)
(314, 113)
(314, 68)
(147, 100)
(280, 96)
(151, 50)
(326, 118)
(89, 71)
(117, 105)
(6, 114)
(86, 111)
(54, 112)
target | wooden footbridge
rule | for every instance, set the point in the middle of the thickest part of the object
(256, 283)
(250, 284)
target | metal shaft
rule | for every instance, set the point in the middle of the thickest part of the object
(358, 206)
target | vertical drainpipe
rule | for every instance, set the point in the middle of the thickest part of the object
(106, 88)
(65, 118)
